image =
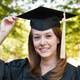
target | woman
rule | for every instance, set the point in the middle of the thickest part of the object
(44, 49)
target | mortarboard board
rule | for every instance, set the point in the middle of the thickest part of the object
(43, 18)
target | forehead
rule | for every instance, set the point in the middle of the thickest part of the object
(34, 31)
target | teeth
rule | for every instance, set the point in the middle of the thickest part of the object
(43, 49)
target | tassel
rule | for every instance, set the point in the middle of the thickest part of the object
(62, 52)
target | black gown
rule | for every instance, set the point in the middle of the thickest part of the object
(18, 70)
(78, 73)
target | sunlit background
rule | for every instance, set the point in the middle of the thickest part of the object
(15, 45)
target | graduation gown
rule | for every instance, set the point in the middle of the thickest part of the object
(78, 73)
(2, 64)
(18, 70)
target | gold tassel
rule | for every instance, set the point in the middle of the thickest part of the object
(62, 52)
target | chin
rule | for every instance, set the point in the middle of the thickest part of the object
(45, 55)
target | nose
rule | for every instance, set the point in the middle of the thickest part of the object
(43, 41)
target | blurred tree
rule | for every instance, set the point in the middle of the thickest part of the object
(15, 46)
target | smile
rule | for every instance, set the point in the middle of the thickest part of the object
(44, 50)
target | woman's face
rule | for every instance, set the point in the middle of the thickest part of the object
(45, 42)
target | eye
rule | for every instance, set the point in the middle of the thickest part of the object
(48, 36)
(37, 37)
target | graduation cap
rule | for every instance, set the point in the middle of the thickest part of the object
(43, 18)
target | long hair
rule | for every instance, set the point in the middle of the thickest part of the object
(35, 58)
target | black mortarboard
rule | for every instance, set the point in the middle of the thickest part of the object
(43, 18)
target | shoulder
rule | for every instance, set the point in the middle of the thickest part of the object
(70, 69)
(15, 67)
(70, 73)
(18, 62)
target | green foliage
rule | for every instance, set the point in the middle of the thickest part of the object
(15, 45)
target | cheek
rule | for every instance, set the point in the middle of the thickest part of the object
(54, 42)
(35, 43)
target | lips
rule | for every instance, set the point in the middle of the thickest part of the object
(44, 50)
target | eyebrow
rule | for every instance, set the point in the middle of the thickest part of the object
(45, 33)
(35, 34)
(49, 33)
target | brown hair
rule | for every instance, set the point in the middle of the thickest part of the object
(35, 58)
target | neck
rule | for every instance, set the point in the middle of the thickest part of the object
(48, 64)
